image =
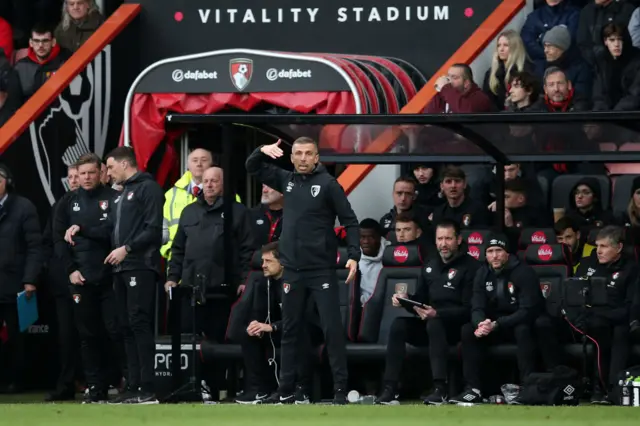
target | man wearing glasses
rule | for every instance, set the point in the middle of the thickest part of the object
(44, 59)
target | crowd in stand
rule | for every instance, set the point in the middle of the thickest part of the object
(30, 55)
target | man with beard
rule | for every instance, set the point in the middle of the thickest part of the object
(445, 292)
(505, 303)
(266, 218)
(428, 192)
(567, 232)
(404, 197)
(467, 213)
(372, 244)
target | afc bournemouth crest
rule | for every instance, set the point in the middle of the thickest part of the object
(466, 220)
(286, 287)
(240, 71)
(76, 298)
(511, 288)
(452, 274)
(104, 205)
(546, 289)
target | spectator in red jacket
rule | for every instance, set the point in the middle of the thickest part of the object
(458, 94)
(6, 38)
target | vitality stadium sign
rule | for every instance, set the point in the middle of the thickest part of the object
(423, 33)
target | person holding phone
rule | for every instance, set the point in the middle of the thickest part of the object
(444, 295)
(505, 304)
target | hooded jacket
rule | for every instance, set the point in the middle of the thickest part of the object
(370, 267)
(617, 83)
(311, 203)
(592, 19)
(542, 20)
(594, 217)
(510, 296)
(33, 73)
(451, 101)
(419, 212)
(198, 246)
(577, 72)
(137, 223)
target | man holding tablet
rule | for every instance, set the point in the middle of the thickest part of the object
(443, 302)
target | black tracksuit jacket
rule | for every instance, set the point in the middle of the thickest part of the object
(311, 203)
(447, 287)
(137, 222)
(198, 246)
(91, 211)
(511, 296)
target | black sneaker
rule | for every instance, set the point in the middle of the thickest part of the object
(301, 396)
(340, 397)
(438, 397)
(61, 395)
(144, 398)
(251, 397)
(278, 398)
(599, 398)
(468, 397)
(126, 396)
(95, 396)
(387, 397)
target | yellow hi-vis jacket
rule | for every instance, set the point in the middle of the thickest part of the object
(175, 200)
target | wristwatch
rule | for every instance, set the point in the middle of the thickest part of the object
(274, 328)
(127, 248)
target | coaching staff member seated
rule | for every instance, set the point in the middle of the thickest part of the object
(308, 247)
(609, 325)
(506, 301)
(20, 263)
(136, 241)
(446, 291)
(82, 215)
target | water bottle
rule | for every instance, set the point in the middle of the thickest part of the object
(636, 392)
(354, 397)
(626, 396)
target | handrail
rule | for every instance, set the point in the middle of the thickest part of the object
(481, 37)
(40, 100)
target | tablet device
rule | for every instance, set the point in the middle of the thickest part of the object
(408, 303)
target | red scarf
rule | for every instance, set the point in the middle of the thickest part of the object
(561, 106)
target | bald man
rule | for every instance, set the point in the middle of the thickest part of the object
(198, 251)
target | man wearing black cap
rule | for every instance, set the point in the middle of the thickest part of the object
(20, 264)
(506, 301)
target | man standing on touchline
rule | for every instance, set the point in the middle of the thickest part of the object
(308, 248)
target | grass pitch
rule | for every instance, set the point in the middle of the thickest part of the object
(35, 414)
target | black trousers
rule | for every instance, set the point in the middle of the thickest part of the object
(96, 320)
(474, 351)
(435, 332)
(15, 343)
(260, 369)
(322, 286)
(613, 340)
(68, 344)
(135, 299)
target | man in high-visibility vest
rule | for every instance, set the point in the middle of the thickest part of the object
(183, 193)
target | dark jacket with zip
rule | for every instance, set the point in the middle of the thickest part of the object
(20, 247)
(311, 203)
(617, 82)
(267, 225)
(622, 286)
(137, 223)
(447, 287)
(511, 296)
(198, 246)
(33, 73)
(91, 211)
(596, 216)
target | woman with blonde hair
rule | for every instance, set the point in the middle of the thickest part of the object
(510, 56)
(80, 19)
